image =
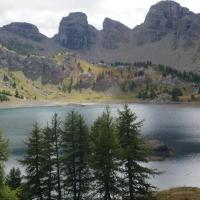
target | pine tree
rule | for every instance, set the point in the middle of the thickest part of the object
(3, 156)
(133, 152)
(75, 150)
(14, 178)
(5, 192)
(56, 131)
(49, 162)
(104, 161)
(33, 164)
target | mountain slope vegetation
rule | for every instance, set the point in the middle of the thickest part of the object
(65, 77)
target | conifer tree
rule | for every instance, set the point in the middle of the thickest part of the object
(75, 148)
(14, 178)
(49, 162)
(56, 131)
(104, 161)
(3, 156)
(33, 164)
(133, 152)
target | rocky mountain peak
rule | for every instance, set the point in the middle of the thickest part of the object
(26, 30)
(164, 14)
(76, 17)
(170, 35)
(112, 24)
(114, 32)
(163, 18)
(75, 32)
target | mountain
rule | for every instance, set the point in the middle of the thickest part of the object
(25, 38)
(114, 33)
(75, 32)
(170, 35)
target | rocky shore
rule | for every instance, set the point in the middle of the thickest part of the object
(160, 151)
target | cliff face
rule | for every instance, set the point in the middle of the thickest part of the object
(75, 32)
(168, 17)
(25, 30)
(36, 67)
(162, 19)
(170, 35)
(114, 33)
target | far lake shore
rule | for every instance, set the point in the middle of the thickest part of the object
(47, 103)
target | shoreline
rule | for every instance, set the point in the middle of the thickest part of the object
(32, 104)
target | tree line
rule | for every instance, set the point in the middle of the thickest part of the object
(189, 76)
(68, 160)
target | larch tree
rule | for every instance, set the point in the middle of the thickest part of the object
(3, 156)
(104, 159)
(133, 153)
(49, 163)
(33, 164)
(14, 179)
(75, 149)
(56, 131)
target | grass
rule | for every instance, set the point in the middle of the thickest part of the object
(183, 193)
(35, 90)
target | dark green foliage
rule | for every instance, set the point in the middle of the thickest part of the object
(14, 85)
(70, 85)
(143, 64)
(3, 156)
(5, 192)
(128, 86)
(193, 98)
(75, 148)
(33, 162)
(152, 93)
(5, 78)
(3, 97)
(149, 92)
(104, 161)
(5, 92)
(42, 163)
(48, 165)
(66, 162)
(176, 92)
(14, 179)
(56, 137)
(134, 181)
(185, 76)
(17, 95)
(136, 64)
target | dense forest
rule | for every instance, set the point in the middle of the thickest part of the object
(68, 160)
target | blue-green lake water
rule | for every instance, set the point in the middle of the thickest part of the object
(178, 126)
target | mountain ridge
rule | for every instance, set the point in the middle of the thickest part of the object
(169, 35)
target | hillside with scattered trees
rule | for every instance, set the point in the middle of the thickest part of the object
(75, 80)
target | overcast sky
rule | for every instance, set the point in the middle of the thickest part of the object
(46, 14)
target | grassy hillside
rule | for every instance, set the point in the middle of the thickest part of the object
(179, 194)
(75, 80)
